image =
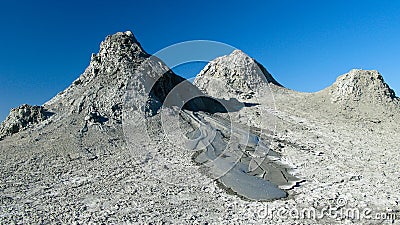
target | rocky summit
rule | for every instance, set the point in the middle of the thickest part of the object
(362, 85)
(130, 141)
(235, 75)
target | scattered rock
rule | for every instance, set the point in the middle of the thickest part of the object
(95, 117)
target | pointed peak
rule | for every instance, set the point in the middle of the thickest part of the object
(121, 37)
(236, 55)
(239, 52)
(112, 66)
(120, 44)
(235, 75)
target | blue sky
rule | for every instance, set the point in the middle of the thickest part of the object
(45, 45)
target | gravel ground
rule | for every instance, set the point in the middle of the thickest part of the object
(90, 162)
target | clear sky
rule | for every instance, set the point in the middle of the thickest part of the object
(45, 45)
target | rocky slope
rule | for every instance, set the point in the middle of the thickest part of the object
(130, 141)
(344, 139)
